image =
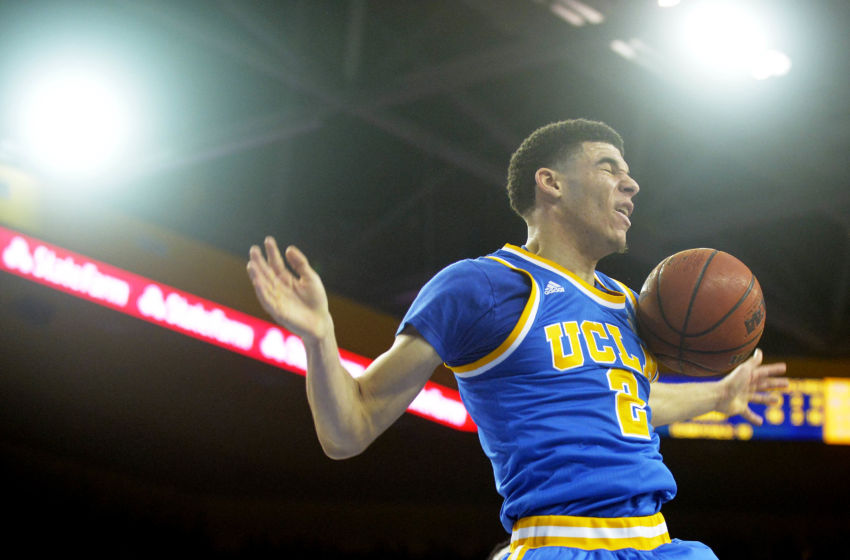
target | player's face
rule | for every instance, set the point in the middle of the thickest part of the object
(598, 195)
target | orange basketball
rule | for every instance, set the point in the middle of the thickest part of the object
(701, 312)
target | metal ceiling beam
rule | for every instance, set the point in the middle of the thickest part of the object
(489, 123)
(369, 104)
(269, 133)
(398, 127)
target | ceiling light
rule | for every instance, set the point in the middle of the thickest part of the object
(725, 40)
(74, 119)
(576, 13)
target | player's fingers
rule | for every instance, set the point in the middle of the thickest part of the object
(752, 417)
(766, 378)
(262, 279)
(773, 369)
(773, 383)
(257, 265)
(751, 364)
(757, 357)
(772, 399)
(274, 257)
(261, 288)
(271, 291)
(299, 263)
(255, 262)
(272, 297)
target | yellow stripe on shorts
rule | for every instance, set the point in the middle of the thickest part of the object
(589, 533)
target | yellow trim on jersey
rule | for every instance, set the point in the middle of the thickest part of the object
(589, 533)
(651, 364)
(628, 292)
(604, 296)
(517, 335)
(650, 369)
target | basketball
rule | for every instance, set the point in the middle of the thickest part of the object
(701, 312)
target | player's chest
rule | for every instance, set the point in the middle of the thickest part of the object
(574, 334)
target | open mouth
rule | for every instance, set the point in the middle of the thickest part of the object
(624, 212)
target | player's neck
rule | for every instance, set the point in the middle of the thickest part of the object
(563, 250)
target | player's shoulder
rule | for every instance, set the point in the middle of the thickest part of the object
(480, 279)
(459, 273)
(482, 268)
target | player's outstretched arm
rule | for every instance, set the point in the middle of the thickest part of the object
(348, 413)
(750, 382)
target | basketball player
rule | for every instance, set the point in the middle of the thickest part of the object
(546, 357)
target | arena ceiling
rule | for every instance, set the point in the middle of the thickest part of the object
(375, 135)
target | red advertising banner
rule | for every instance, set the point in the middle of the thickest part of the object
(205, 320)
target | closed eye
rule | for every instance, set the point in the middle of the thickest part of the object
(610, 165)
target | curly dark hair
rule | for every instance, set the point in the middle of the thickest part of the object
(548, 146)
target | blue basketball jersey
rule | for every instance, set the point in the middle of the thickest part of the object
(561, 402)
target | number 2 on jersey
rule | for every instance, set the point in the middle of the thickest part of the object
(630, 408)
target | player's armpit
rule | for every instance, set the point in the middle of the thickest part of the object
(394, 379)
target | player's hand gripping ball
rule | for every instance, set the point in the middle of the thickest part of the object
(701, 312)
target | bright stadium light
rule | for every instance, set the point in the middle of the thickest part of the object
(75, 119)
(725, 40)
(771, 63)
(722, 36)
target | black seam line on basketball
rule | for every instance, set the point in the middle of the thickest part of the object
(660, 299)
(644, 329)
(694, 293)
(734, 307)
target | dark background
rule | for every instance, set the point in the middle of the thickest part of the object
(375, 135)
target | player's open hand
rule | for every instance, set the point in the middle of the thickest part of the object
(751, 382)
(294, 296)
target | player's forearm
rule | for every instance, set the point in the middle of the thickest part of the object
(335, 401)
(675, 402)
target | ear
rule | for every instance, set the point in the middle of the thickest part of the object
(549, 183)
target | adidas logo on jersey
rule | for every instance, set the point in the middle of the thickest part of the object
(552, 288)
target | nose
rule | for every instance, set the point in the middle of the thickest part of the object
(629, 186)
